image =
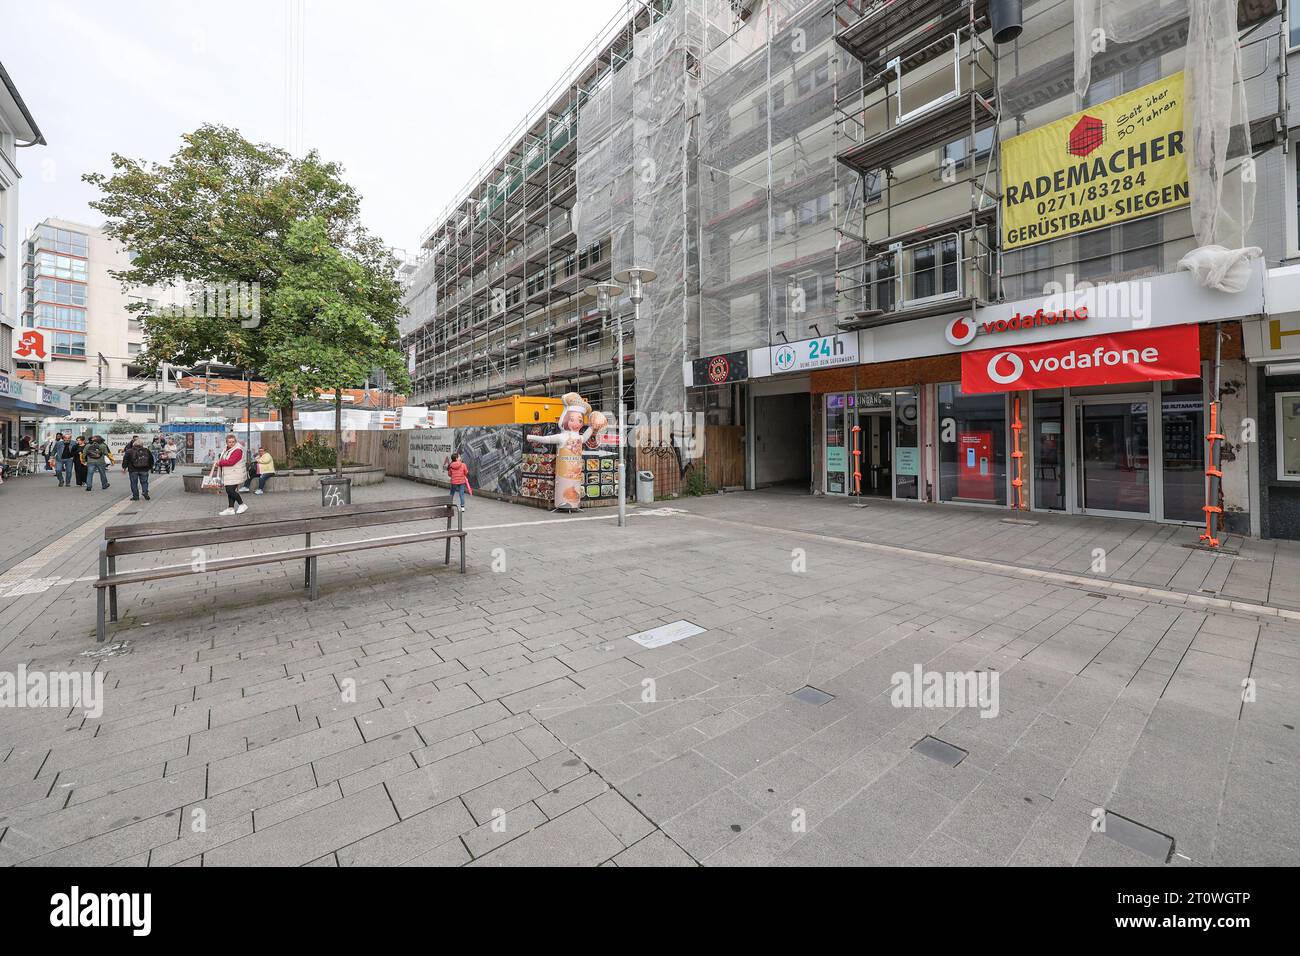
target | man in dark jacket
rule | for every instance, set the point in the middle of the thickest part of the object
(54, 457)
(97, 459)
(138, 461)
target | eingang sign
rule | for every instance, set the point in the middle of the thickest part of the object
(1119, 160)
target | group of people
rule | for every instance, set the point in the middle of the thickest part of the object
(235, 471)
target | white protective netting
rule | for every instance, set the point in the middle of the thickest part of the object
(1221, 179)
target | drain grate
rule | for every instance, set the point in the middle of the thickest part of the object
(811, 695)
(1135, 836)
(940, 750)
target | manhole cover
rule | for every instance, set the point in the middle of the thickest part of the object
(811, 695)
(940, 750)
(1135, 836)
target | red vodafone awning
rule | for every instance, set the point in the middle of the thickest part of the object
(1142, 355)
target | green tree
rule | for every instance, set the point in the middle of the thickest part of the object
(220, 211)
(333, 322)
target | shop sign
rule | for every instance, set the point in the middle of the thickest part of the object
(1119, 160)
(963, 329)
(825, 352)
(1142, 356)
(31, 345)
(720, 369)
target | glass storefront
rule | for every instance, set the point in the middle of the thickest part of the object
(872, 443)
(972, 446)
(1133, 450)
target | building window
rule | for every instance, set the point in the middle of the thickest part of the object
(133, 348)
(1288, 436)
(60, 317)
(141, 409)
(62, 240)
(61, 292)
(70, 344)
(1293, 15)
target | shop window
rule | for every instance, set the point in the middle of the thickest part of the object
(1049, 451)
(837, 464)
(1288, 436)
(907, 444)
(972, 447)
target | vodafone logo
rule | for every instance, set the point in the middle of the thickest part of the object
(960, 331)
(1005, 368)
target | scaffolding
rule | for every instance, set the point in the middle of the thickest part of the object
(918, 134)
(495, 301)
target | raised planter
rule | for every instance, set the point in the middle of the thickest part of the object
(295, 479)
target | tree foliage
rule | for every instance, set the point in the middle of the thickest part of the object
(223, 211)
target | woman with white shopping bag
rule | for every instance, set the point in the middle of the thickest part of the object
(230, 470)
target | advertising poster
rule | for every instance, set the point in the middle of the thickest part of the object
(494, 456)
(427, 452)
(538, 468)
(1116, 161)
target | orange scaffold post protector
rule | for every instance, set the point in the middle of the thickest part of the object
(857, 461)
(1212, 478)
(1018, 482)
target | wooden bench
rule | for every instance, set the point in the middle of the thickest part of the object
(148, 537)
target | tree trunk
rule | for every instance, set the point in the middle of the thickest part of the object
(287, 432)
(338, 433)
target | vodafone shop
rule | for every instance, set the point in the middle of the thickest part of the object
(1084, 404)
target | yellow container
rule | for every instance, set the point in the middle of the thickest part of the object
(513, 410)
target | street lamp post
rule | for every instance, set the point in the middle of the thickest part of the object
(604, 293)
(634, 279)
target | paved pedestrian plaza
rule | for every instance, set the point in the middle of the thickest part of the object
(1145, 694)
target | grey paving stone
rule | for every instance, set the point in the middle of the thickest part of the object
(654, 850)
(457, 774)
(308, 836)
(413, 837)
(577, 838)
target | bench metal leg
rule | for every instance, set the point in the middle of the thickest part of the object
(462, 553)
(101, 628)
(447, 560)
(306, 566)
(112, 591)
(312, 578)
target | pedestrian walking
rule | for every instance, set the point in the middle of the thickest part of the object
(97, 459)
(54, 458)
(78, 452)
(458, 471)
(170, 453)
(232, 468)
(156, 447)
(265, 469)
(138, 461)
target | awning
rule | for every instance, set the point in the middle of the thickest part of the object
(147, 395)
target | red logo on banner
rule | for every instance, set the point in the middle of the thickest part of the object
(1142, 356)
(31, 343)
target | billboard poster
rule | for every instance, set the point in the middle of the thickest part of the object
(428, 450)
(1119, 160)
(1143, 356)
(538, 468)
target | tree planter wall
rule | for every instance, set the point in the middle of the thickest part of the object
(295, 479)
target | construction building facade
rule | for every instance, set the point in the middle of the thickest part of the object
(868, 218)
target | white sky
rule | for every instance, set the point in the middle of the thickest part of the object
(411, 96)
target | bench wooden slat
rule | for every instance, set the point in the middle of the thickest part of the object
(227, 535)
(253, 519)
(272, 557)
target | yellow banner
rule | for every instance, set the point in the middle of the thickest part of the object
(1119, 160)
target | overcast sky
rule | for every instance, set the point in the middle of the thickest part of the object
(411, 96)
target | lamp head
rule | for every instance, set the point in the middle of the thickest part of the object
(635, 278)
(604, 293)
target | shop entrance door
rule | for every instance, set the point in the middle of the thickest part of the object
(1113, 456)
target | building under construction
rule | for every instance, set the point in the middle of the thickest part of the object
(844, 200)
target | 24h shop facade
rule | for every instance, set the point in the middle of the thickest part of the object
(1104, 391)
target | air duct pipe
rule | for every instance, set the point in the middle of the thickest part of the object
(1008, 19)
